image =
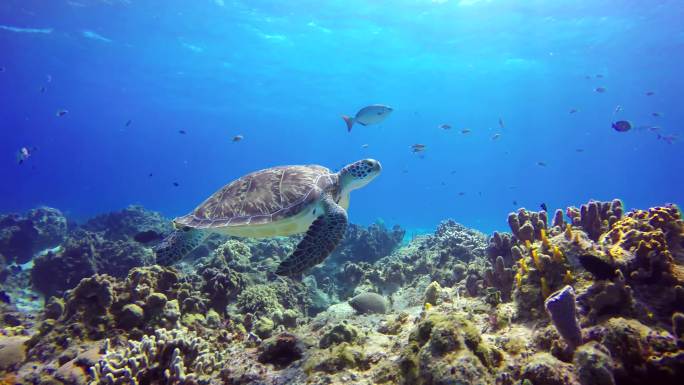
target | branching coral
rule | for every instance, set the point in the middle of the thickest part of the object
(167, 357)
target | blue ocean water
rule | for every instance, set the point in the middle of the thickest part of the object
(281, 74)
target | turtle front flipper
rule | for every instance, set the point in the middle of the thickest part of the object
(324, 234)
(178, 244)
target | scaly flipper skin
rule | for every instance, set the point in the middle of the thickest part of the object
(324, 234)
(179, 244)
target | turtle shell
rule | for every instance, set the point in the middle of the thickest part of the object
(263, 197)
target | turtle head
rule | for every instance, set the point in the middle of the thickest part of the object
(359, 174)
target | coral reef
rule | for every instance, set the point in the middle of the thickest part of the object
(23, 236)
(594, 297)
(84, 254)
(596, 218)
(124, 225)
(368, 244)
(178, 356)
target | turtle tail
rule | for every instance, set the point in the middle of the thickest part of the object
(178, 244)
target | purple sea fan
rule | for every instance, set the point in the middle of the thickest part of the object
(561, 307)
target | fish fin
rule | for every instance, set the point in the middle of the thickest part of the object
(349, 121)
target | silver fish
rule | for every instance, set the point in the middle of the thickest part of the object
(372, 114)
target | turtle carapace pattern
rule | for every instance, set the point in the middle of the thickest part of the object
(278, 201)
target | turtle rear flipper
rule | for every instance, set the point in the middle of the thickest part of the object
(324, 234)
(178, 244)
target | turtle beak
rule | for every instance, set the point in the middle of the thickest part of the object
(375, 166)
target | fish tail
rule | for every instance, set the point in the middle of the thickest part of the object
(349, 121)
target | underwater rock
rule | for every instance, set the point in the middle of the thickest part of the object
(50, 224)
(131, 316)
(12, 351)
(598, 264)
(442, 257)
(95, 294)
(545, 369)
(443, 349)
(394, 324)
(606, 298)
(366, 303)
(124, 225)
(289, 318)
(264, 327)
(339, 333)
(271, 249)
(22, 237)
(318, 300)
(234, 254)
(339, 357)
(640, 354)
(368, 244)
(259, 299)
(432, 293)
(594, 365)
(83, 255)
(220, 282)
(281, 350)
(562, 310)
(54, 308)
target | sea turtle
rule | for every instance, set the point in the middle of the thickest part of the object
(277, 201)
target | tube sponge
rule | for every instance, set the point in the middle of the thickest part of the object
(561, 308)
